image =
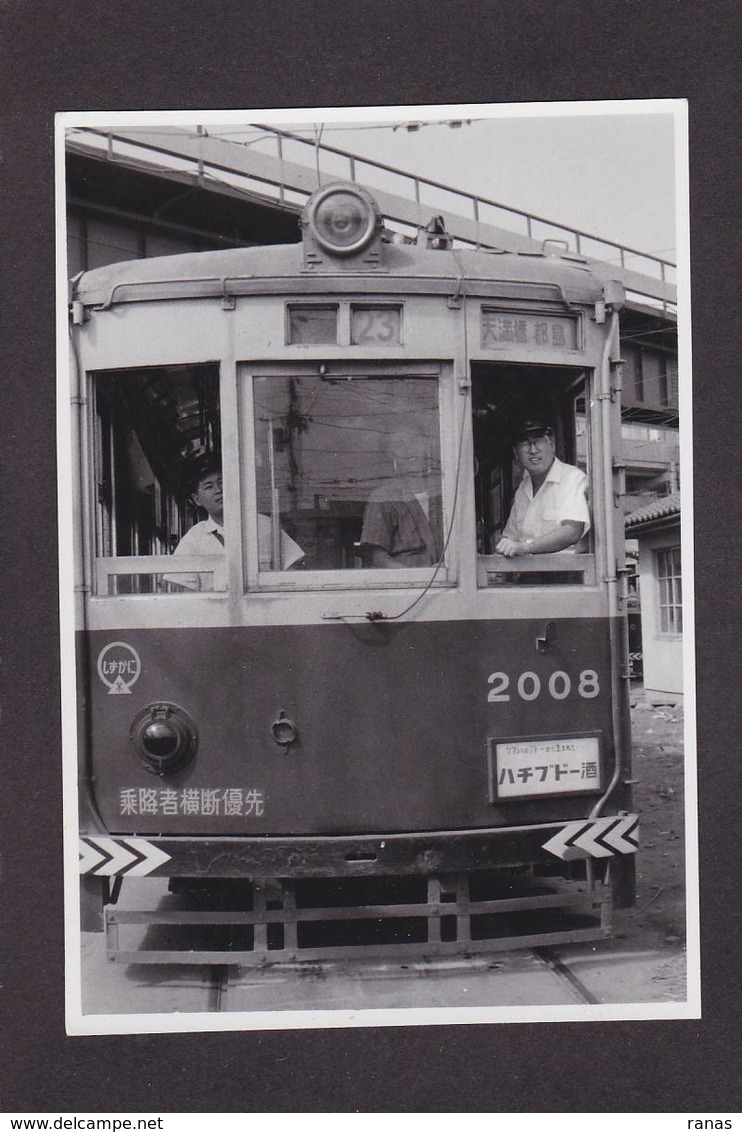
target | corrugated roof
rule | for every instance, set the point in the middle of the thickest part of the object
(663, 508)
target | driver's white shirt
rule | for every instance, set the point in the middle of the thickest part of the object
(561, 498)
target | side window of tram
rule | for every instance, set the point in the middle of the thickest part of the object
(531, 474)
(157, 481)
(348, 472)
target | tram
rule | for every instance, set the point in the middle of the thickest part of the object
(301, 735)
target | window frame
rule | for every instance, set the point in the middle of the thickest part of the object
(442, 575)
(499, 568)
(105, 568)
(672, 610)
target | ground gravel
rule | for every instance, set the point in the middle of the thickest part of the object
(658, 919)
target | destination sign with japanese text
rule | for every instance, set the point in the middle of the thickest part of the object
(534, 331)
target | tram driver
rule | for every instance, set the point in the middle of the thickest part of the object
(549, 512)
(402, 521)
(207, 536)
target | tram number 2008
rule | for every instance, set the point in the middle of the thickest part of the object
(529, 686)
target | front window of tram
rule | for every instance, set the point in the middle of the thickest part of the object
(347, 476)
(532, 483)
(157, 480)
(349, 467)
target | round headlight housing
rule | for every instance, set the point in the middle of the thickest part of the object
(164, 737)
(343, 218)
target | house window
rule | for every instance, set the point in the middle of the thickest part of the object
(670, 590)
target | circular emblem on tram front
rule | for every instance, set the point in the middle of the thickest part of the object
(119, 667)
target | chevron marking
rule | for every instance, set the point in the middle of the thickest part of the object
(590, 838)
(601, 837)
(89, 856)
(562, 843)
(132, 856)
(119, 856)
(152, 857)
(624, 837)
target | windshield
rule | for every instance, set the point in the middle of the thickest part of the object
(349, 469)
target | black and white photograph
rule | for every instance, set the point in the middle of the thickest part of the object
(375, 489)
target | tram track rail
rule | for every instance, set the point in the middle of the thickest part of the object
(550, 957)
(227, 986)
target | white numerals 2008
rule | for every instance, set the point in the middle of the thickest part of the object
(529, 686)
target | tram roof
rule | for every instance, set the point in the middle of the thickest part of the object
(280, 269)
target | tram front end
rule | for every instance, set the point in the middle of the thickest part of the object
(350, 712)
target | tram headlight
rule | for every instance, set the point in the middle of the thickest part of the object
(164, 737)
(342, 218)
(160, 739)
